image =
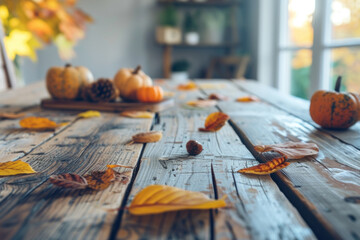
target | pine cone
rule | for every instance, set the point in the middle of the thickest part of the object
(103, 90)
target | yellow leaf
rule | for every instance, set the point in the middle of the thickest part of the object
(17, 43)
(267, 168)
(89, 114)
(4, 13)
(37, 123)
(15, 167)
(137, 114)
(159, 198)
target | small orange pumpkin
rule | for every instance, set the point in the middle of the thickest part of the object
(67, 82)
(128, 81)
(335, 110)
(150, 94)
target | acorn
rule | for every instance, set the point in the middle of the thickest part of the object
(194, 147)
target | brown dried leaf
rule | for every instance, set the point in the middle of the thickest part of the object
(187, 86)
(11, 115)
(292, 150)
(214, 122)
(267, 168)
(156, 199)
(69, 180)
(216, 96)
(147, 137)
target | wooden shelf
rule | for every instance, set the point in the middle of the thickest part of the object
(201, 45)
(224, 3)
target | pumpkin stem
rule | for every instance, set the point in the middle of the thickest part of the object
(137, 69)
(338, 84)
(68, 65)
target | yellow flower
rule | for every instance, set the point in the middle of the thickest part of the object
(17, 44)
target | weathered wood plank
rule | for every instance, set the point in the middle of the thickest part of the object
(319, 187)
(250, 213)
(32, 208)
(299, 108)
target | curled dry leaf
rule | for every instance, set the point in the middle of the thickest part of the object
(69, 180)
(147, 137)
(248, 99)
(267, 168)
(156, 199)
(137, 114)
(38, 123)
(202, 103)
(89, 114)
(214, 122)
(216, 96)
(15, 168)
(11, 115)
(292, 150)
(187, 86)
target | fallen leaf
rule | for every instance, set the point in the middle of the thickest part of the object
(187, 86)
(156, 199)
(38, 123)
(248, 99)
(123, 178)
(15, 168)
(137, 114)
(11, 115)
(212, 85)
(216, 96)
(100, 180)
(214, 122)
(69, 180)
(89, 114)
(202, 103)
(147, 137)
(168, 94)
(267, 168)
(292, 150)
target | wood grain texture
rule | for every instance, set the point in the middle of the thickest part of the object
(31, 208)
(256, 207)
(318, 186)
(299, 108)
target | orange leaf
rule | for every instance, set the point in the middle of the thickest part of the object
(248, 99)
(187, 86)
(100, 180)
(15, 168)
(37, 123)
(11, 115)
(69, 180)
(41, 29)
(202, 103)
(137, 114)
(214, 122)
(267, 168)
(292, 150)
(156, 199)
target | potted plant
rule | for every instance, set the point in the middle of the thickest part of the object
(168, 32)
(191, 28)
(179, 71)
(214, 24)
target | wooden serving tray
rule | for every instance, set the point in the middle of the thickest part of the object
(106, 106)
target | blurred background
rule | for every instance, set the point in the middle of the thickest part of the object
(297, 46)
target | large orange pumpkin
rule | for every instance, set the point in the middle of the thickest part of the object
(67, 82)
(128, 81)
(335, 110)
(150, 94)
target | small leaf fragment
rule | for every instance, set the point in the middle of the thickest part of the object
(89, 114)
(137, 114)
(147, 137)
(292, 150)
(5, 115)
(187, 86)
(38, 123)
(248, 99)
(69, 180)
(214, 122)
(216, 96)
(202, 103)
(212, 85)
(100, 180)
(155, 199)
(267, 168)
(15, 168)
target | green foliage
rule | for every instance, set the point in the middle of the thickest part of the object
(300, 82)
(169, 17)
(191, 22)
(180, 66)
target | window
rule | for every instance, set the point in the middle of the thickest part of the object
(317, 41)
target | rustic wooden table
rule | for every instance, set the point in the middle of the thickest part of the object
(315, 197)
